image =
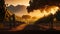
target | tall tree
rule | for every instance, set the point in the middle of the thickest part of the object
(57, 15)
(2, 10)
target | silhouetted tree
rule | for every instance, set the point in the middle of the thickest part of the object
(57, 15)
(26, 16)
(2, 10)
(12, 21)
(36, 4)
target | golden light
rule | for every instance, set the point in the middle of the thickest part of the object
(17, 2)
(47, 11)
(54, 9)
(39, 14)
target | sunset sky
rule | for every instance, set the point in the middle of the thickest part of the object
(16, 2)
(19, 8)
(19, 2)
(23, 11)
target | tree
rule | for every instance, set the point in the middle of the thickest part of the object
(57, 15)
(26, 16)
(36, 4)
(2, 10)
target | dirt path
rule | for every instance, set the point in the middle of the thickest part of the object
(18, 28)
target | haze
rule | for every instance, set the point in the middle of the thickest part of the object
(16, 2)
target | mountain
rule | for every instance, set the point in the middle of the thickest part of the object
(16, 8)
